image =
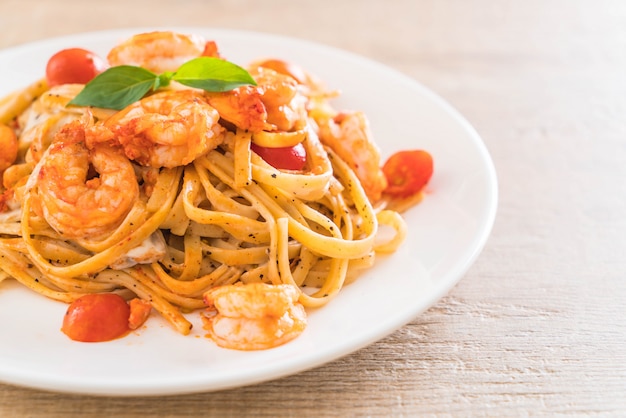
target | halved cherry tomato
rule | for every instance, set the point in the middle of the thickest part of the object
(73, 65)
(287, 158)
(407, 172)
(139, 312)
(96, 317)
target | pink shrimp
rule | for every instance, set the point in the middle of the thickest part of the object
(254, 316)
(159, 51)
(76, 203)
(274, 104)
(348, 135)
(167, 129)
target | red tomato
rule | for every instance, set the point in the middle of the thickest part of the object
(96, 317)
(73, 65)
(407, 172)
(287, 158)
(139, 312)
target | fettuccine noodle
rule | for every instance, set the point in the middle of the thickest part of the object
(211, 217)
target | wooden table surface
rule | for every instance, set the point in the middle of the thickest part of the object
(538, 324)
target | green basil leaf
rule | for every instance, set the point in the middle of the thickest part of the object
(212, 74)
(117, 87)
(122, 85)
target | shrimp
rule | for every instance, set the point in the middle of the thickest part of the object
(159, 51)
(349, 136)
(310, 85)
(274, 104)
(254, 316)
(9, 146)
(74, 201)
(242, 107)
(280, 95)
(255, 300)
(167, 129)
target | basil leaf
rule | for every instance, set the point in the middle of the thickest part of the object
(117, 87)
(212, 74)
(122, 85)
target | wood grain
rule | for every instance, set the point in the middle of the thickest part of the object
(537, 326)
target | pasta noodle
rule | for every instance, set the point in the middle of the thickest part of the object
(226, 216)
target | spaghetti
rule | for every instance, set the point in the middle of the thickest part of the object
(100, 201)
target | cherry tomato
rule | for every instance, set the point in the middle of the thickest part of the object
(287, 158)
(96, 317)
(73, 65)
(407, 172)
(139, 312)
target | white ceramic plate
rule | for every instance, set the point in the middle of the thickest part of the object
(447, 232)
